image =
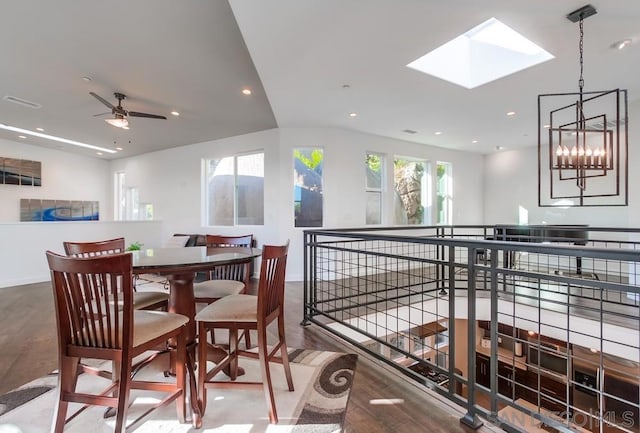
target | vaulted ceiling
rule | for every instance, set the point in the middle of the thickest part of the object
(308, 64)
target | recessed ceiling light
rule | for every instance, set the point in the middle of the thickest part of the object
(621, 45)
(346, 86)
(175, 113)
(499, 148)
(474, 141)
(511, 113)
(87, 79)
(22, 136)
(353, 114)
(246, 91)
(39, 129)
(54, 138)
(99, 153)
(118, 148)
(438, 132)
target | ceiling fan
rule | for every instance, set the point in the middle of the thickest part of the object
(120, 115)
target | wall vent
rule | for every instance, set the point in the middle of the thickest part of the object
(409, 131)
(21, 101)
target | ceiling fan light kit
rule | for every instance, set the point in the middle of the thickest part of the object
(118, 122)
(583, 143)
(120, 115)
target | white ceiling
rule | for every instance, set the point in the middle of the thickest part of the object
(192, 56)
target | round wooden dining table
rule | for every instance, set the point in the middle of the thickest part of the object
(180, 265)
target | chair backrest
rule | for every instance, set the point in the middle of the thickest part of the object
(271, 284)
(237, 272)
(229, 241)
(93, 299)
(90, 249)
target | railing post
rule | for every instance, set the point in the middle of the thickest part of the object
(470, 418)
(452, 315)
(307, 286)
(494, 332)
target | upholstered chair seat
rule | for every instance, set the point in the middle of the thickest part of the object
(217, 289)
(237, 308)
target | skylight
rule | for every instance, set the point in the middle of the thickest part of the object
(485, 53)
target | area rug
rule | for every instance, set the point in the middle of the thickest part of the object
(322, 383)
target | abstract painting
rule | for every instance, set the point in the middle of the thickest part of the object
(58, 210)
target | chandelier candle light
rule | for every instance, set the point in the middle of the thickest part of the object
(587, 150)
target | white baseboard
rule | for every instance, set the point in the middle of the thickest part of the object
(27, 280)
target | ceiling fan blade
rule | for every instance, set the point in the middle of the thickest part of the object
(101, 99)
(150, 116)
(102, 114)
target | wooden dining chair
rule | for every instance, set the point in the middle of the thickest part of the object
(111, 331)
(144, 300)
(243, 312)
(225, 280)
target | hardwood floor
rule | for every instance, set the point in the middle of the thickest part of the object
(381, 400)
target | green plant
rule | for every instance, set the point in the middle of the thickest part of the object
(134, 246)
(314, 159)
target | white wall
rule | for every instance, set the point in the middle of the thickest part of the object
(171, 180)
(22, 256)
(511, 180)
(65, 176)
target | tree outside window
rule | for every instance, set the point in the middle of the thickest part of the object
(307, 187)
(413, 197)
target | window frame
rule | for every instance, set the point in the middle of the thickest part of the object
(426, 190)
(206, 196)
(448, 193)
(381, 190)
(295, 184)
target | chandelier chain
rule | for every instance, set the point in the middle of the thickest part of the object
(581, 80)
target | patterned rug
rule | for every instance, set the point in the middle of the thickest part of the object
(322, 383)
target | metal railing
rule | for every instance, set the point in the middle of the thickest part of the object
(526, 329)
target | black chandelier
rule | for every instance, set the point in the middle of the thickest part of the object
(583, 143)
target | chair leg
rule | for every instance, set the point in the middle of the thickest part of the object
(67, 379)
(123, 390)
(233, 352)
(180, 360)
(263, 354)
(202, 366)
(247, 339)
(284, 353)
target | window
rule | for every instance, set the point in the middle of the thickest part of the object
(307, 187)
(444, 190)
(126, 203)
(412, 187)
(119, 194)
(234, 188)
(374, 166)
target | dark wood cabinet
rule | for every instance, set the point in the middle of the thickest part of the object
(621, 398)
(510, 380)
(509, 377)
(483, 370)
(553, 393)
